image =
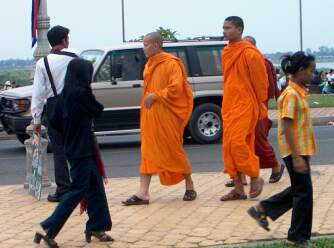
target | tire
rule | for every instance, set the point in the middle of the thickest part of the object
(205, 125)
(22, 137)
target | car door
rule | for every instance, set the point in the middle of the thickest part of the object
(121, 96)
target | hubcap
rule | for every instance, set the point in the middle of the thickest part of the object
(209, 124)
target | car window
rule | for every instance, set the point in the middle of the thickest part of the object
(180, 53)
(210, 60)
(92, 55)
(130, 61)
(132, 65)
(104, 72)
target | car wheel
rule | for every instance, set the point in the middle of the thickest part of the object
(205, 125)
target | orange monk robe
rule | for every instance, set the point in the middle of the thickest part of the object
(163, 124)
(245, 90)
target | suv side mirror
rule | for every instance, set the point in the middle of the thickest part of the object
(117, 71)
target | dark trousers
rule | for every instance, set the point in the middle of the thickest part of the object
(62, 175)
(86, 181)
(299, 197)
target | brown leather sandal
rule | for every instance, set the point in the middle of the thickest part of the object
(233, 196)
(135, 200)
(256, 188)
(260, 218)
(231, 184)
(276, 176)
(190, 195)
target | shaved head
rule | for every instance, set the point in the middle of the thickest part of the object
(152, 44)
(154, 37)
(250, 39)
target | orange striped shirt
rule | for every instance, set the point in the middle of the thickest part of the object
(293, 104)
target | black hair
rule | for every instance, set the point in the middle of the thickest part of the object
(291, 63)
(57, 34)
(78, 75)
(236, 20)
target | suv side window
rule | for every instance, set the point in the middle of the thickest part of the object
(180, 53)
(132, 64)
(104, 72)
(131, 61)
(210, 60)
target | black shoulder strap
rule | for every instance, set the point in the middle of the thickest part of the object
(73, 55)
(47, 67)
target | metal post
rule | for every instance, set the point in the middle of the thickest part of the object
(43, 25)
(301, 24)
(123, 22)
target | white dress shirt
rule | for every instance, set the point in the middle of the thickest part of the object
(42, 87)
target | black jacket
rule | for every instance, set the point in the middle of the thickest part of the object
(79, 109)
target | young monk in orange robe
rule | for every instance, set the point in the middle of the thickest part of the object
(263, 149)
(245, 90)
(166, 108)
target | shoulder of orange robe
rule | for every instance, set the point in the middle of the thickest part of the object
(187, 88)
(263, 108)
(101, 167)
(233, 52)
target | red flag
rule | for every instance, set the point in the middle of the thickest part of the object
(34, 16)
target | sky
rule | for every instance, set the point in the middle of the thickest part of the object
(94, 24)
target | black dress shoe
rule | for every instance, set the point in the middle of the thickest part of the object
(54, 197)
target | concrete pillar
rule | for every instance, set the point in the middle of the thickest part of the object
(43, 25)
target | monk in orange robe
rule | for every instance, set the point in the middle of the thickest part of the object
(166, 108)
(263, 149)
(245, 91)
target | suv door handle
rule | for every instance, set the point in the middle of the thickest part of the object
(136, 85)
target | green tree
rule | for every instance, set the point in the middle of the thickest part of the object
(166, 34)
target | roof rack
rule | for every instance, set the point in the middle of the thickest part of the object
(206, 38)
(200, 38)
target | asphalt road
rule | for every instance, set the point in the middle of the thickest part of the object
(122, 155)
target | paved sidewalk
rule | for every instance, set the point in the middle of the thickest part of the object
(167, 221)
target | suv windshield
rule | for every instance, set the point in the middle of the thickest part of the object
(92, 55)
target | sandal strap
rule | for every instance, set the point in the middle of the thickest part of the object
(233, 195)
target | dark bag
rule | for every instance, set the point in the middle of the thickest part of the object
(53, 104)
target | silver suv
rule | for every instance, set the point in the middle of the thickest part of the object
(118, 84)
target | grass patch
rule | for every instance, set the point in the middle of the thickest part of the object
(315, 101)
(318, 243)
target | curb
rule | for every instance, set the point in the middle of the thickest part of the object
(318, 121)
(4, 136)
